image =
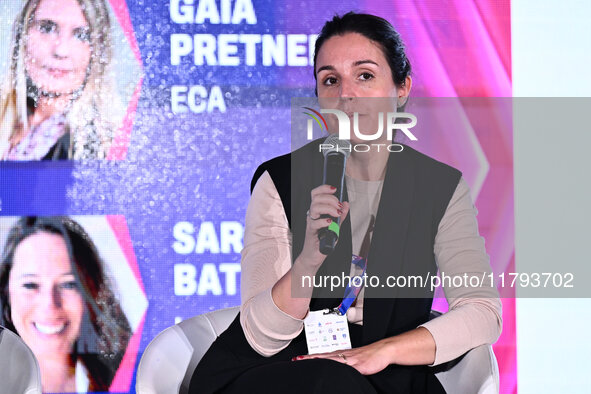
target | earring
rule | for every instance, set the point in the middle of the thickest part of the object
(402, 101)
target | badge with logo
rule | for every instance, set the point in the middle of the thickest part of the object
(320, 326)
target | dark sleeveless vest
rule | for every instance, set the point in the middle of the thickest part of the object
(415, 195)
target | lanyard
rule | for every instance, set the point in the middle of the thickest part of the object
(354, 287)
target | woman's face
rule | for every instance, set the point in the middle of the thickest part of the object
(353, 75)
(46, 305)
(58, 47)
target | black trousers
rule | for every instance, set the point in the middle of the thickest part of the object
(318, 376)
(231, 366)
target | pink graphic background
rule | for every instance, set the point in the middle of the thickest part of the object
(118, 150)
(124, 376)
(462, 49)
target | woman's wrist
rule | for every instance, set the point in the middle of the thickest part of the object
(302, 278)
(415, 347)
(390, 349)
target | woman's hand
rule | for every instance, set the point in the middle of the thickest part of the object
(324, 202)
(368, 360)
(414, 347)
(291, 293)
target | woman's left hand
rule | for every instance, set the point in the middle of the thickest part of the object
(368, 360)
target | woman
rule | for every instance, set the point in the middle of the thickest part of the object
(403, 211)
(54, 293)
(58, 100)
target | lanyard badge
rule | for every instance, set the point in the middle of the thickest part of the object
(328, 330)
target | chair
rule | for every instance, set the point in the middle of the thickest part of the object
(19, 370)
(169, 360)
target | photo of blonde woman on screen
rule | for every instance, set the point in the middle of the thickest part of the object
(56, 295)
(58, 100)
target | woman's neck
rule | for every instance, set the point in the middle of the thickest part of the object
(58, 374)
(368, 166)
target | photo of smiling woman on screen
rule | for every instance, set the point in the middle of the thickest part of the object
(58, 99)
(56, 295)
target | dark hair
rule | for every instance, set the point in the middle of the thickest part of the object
(375, 29)
(105, 331)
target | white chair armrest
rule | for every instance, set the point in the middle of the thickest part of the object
(163, 364)
(202, 331)
(170, 359)
(476, 372)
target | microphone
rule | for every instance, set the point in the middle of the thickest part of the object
(335, 153)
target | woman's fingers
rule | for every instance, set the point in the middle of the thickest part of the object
(321, 223)
(324, 208)
(339, 356)
(368, 360)
(325, 198)
(344, 210)
(318, 209)
(324, 202)
(323, 189)
(316, 219)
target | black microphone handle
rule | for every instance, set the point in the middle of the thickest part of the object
(328, 240)
(334, 175)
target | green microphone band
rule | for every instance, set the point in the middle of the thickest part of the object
(334, 227)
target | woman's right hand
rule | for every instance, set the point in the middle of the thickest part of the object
(292, 293)
(324, 202)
